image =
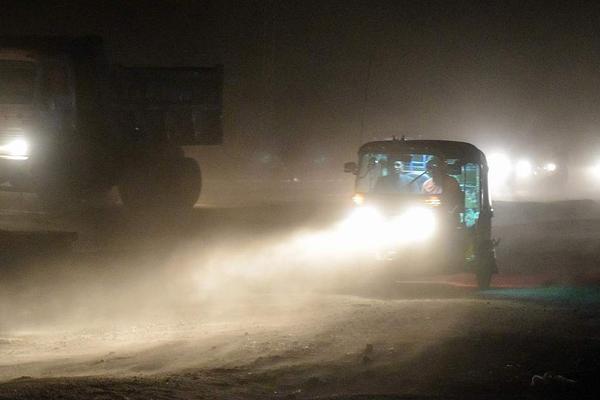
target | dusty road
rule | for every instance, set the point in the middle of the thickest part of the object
(239, 309)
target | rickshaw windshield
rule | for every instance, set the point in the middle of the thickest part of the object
(390, 173)
(411, 174)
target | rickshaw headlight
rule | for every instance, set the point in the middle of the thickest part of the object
(417, 223)
(363, 218)
(367, 228)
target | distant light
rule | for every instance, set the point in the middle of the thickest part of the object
(500, 169)
(550, 167)
(265, 158)
(523, 169)
(596, 170)
(499, 163)
(320, 160)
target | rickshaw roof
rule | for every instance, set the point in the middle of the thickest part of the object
(447, 148)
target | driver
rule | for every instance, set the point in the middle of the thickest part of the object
(397, 180)
(440, 181)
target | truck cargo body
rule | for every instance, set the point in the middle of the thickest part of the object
(73, 125)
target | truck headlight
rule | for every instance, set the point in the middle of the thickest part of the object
(16, 149)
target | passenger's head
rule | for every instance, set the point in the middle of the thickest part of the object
(436, 168)
(398, 164)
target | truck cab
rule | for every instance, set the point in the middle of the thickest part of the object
(19, 80)
(37, 103)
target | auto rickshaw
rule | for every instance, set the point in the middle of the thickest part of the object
(427, 204)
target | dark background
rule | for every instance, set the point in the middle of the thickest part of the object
(308, 81)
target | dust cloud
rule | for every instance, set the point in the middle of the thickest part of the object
(209, 290)
(158, 279)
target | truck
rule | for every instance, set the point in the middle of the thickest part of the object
(73, 126)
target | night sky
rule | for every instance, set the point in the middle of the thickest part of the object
(307, 82)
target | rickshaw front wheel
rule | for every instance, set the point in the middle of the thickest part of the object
(486, 267)
(484, 278)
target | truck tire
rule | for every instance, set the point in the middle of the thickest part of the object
(170, 185)
(187, 184)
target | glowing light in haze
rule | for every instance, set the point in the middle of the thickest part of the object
(523, 169)
(499, 171)
(550, 167)
(595, 170)
(18, 149)
(362, 234)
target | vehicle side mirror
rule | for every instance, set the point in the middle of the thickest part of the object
(350, 167)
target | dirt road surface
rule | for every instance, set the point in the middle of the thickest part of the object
(242, 303)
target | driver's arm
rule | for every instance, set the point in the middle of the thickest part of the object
(456, 196)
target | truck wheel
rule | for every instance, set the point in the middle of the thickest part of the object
(171, 185)
(187, 184)
(141, 188)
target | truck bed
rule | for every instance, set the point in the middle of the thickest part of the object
(179, 105)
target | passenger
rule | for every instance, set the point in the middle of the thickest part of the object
(440, 182)
(397, 181)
